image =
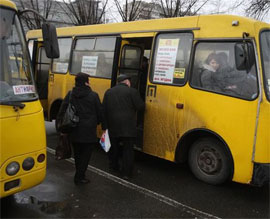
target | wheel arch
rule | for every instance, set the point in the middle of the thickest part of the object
(55, 106)
(185, 142)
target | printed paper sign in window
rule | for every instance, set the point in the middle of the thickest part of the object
(165, 60)
(89, 65)
(24, 89)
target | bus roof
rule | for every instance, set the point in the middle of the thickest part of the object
(214, 25)
(8, 3)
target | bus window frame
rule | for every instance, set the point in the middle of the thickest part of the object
(131, 45)
(75, 38)
(153, 52)
(69, 59)
(235, 40)
(262, 63)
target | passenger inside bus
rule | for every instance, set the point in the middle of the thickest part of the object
(219, 76)
(143, 77)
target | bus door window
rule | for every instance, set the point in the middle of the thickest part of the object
(42, 74)
(214, 70)
(131, 63)
(171, 58)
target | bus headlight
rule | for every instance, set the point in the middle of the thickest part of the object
(28, 163)
(12, 168)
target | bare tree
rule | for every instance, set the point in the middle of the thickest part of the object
(82, 12)
(180, 8)
(129, 10)
(258, 8)
(43, 7)
(221, 7)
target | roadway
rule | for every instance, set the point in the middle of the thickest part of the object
(159, 189)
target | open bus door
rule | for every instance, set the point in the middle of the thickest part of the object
(41, 65)
(131, 63)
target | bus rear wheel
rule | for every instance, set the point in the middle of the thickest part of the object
(209, 161)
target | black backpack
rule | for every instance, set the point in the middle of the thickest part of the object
(70, 119)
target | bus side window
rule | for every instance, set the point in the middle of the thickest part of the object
(217, 72)
(93, 56)
(60, 65)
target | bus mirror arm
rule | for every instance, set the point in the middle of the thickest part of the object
(20, 12)
(49, 35)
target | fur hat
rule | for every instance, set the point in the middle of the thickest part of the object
(122, 77)
(81, 78)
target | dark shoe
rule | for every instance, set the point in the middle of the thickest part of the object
(81, 181)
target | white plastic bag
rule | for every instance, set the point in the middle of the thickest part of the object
(105, 141)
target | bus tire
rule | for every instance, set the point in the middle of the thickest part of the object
(209, 161)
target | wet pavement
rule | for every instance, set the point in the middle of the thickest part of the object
(159, 189)
(58, 197)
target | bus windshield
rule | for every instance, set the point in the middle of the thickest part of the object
(265, 45)
(16, 81)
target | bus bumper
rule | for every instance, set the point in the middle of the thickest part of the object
(26, 181)
(261, 174)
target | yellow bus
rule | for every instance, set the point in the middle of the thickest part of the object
(22, 129)
(217, 120)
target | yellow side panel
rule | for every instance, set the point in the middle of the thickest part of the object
(262, 149)
(221, 26)
(22, 133)
(233, 119)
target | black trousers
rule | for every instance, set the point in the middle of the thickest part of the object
(82, 154)
(121, 154)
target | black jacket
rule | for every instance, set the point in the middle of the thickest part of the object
(120, 105)
(89, 110)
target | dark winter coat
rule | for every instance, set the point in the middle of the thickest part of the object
(89, 110)
(120, 105)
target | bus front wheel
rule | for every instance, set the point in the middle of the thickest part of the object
(209, 161)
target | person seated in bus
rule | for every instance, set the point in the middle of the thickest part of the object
(210, 69)
(143, 77)
(221, 77)
(239, 83)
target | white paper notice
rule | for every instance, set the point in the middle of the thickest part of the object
(61, 67)
(165, 60)
(23, 89)
(89, 65)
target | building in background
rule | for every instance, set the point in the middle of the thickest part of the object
(150, 11)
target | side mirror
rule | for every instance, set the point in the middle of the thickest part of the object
(244, 56)
(50, 40)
